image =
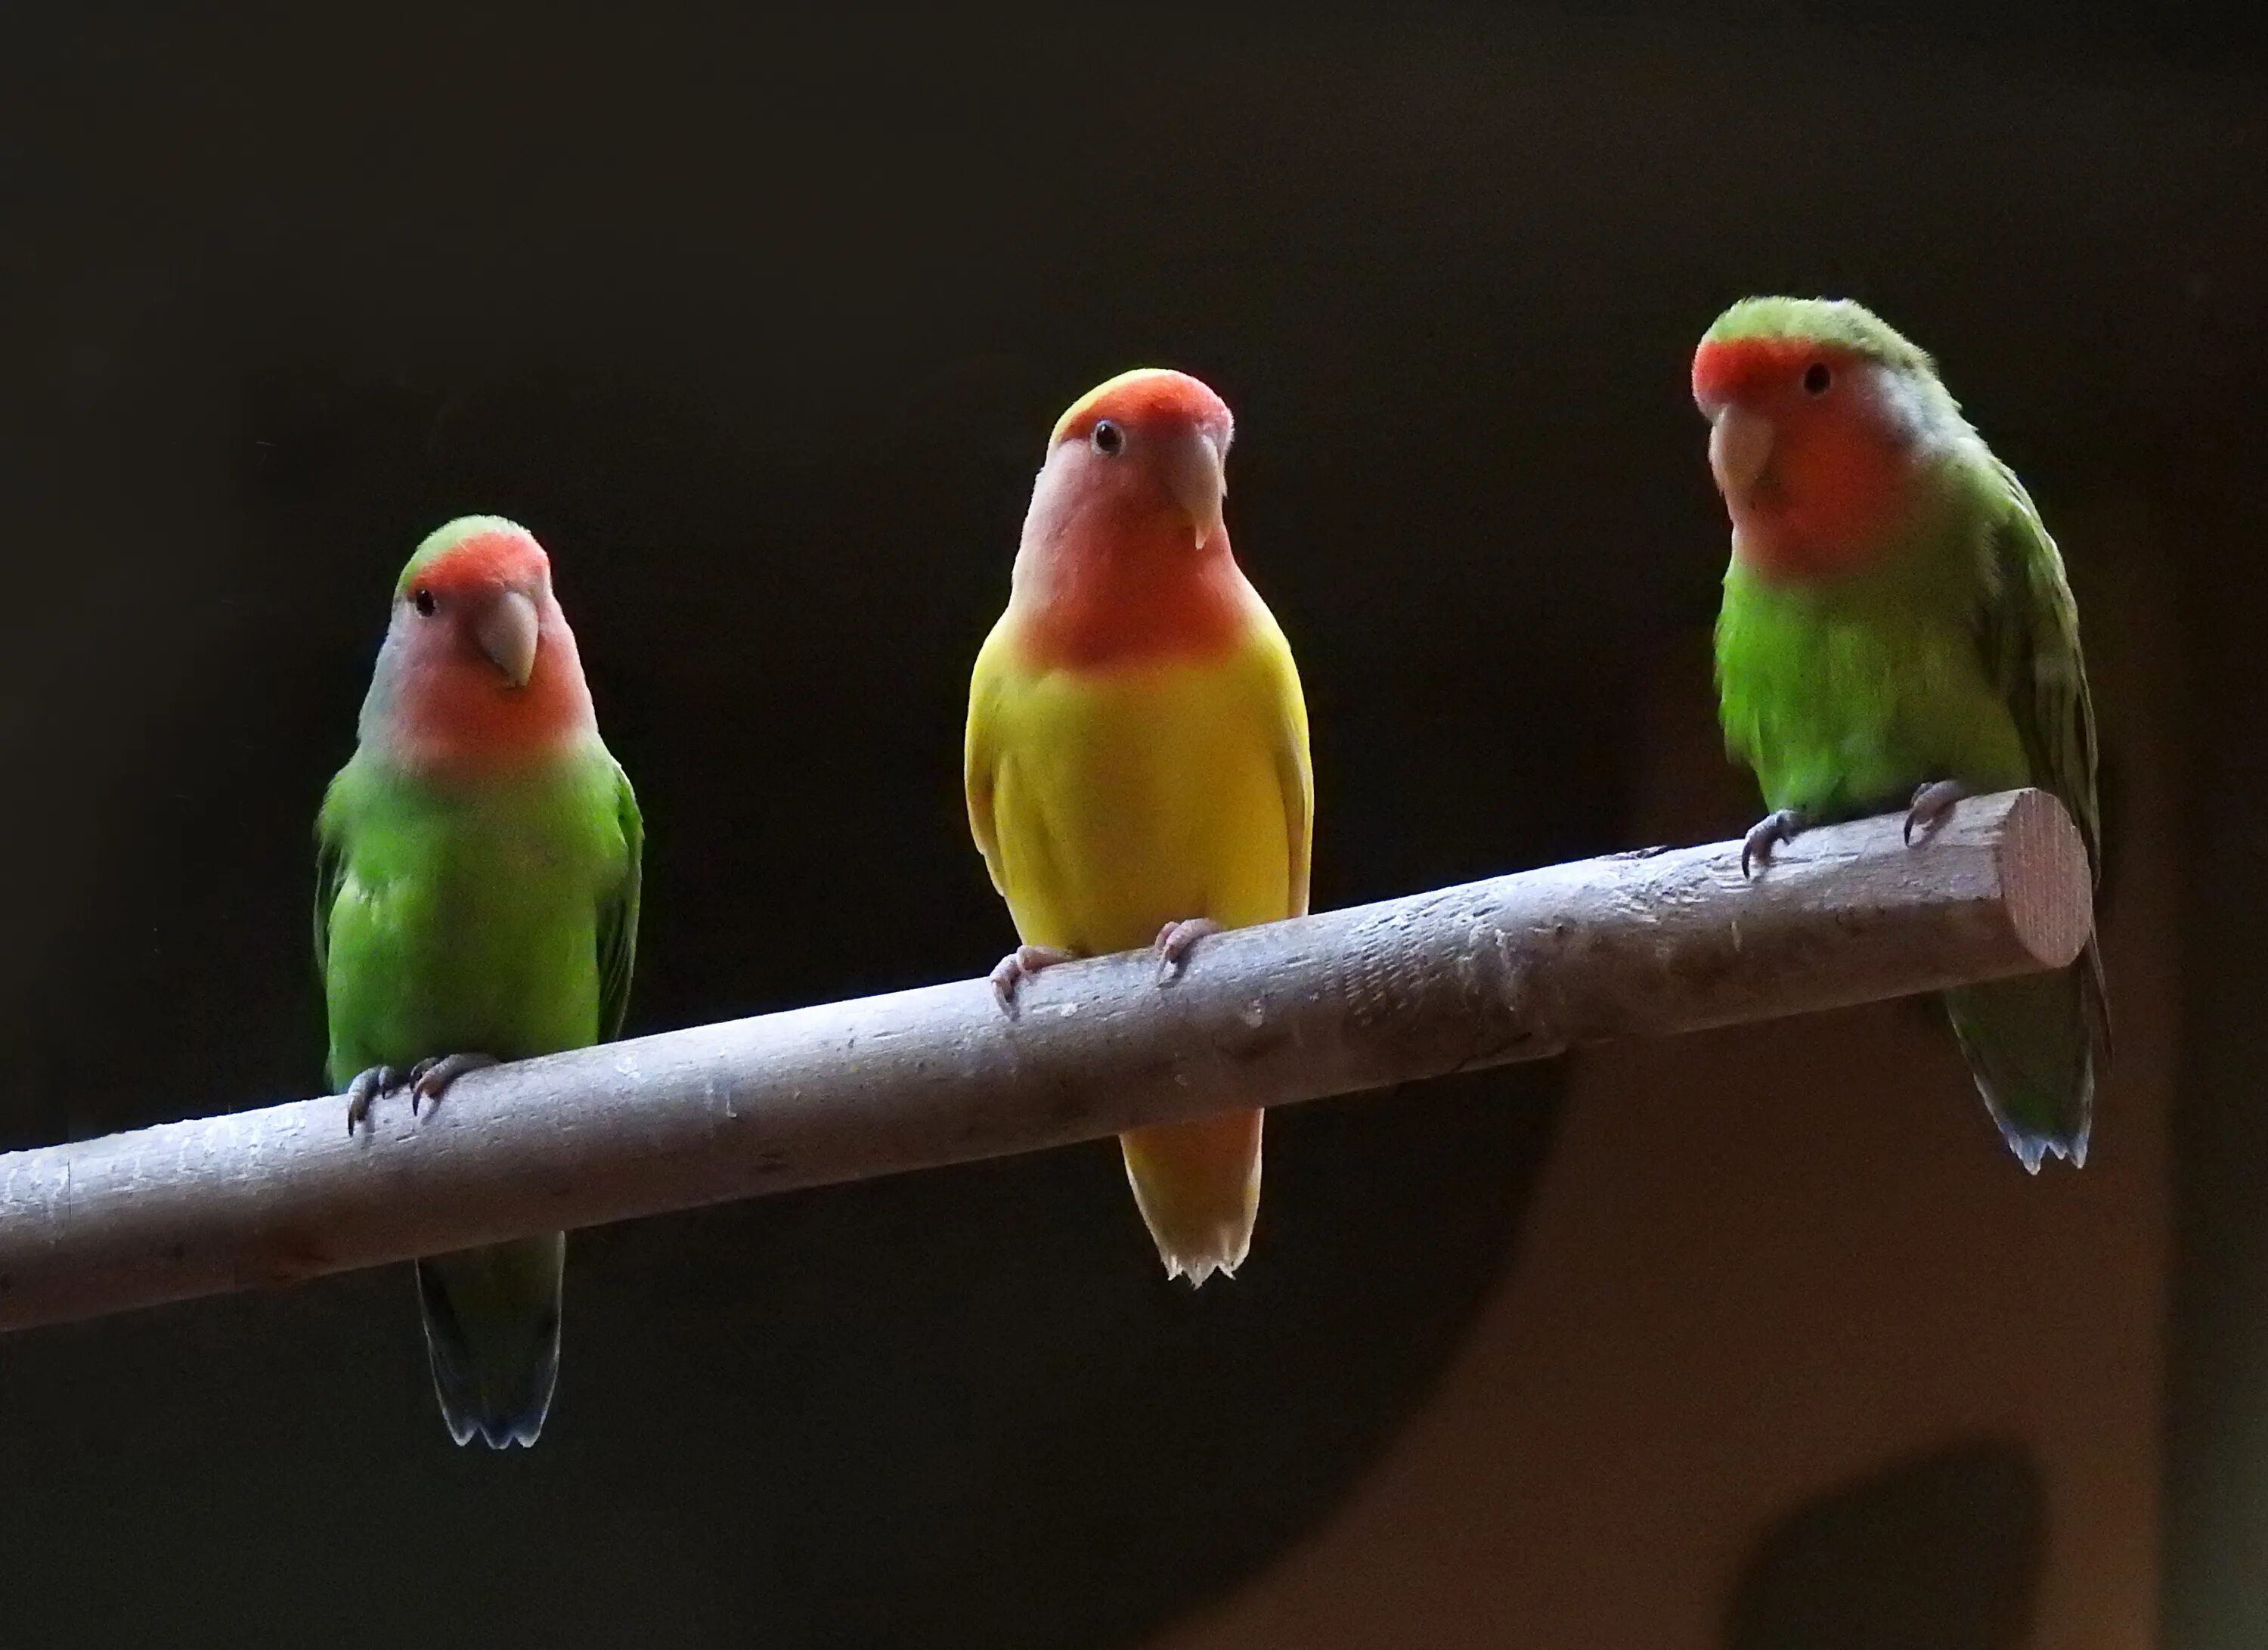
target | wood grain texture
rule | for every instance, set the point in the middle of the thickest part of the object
(1515, 968)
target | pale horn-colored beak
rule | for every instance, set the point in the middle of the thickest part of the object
(1740, 446)
(1199, 480)
(507, 633)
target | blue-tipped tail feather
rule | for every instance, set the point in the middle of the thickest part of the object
(492, 1337)
(2033, 1044)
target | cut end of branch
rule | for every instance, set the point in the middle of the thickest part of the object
(2046, 883)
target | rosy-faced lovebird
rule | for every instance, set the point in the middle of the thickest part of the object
(1897, 632)
(476, 900)
(1137, 761)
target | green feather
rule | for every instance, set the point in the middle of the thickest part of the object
(1956, 657)
(495, 917)
(1836, 322)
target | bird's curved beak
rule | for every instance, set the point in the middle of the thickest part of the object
(507, 632)
(1740, 446)
(1198, 475)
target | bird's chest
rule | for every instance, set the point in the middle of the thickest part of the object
(1845, 712)
(1125, 802)
(469, 930)
(483, 871)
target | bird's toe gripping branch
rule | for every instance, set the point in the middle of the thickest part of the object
(1932, 802)
(365, 1088)
(430, 1079)
(1021, 964)
(1176, 941)
(1782, 825)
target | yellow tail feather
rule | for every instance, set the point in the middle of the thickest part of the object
(1198, 1185)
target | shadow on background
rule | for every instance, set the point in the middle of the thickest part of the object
(1945, 1550)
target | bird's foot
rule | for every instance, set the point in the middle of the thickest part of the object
(1931, 803)
(430, 1079)
(1781, 825)
(1176, 941)
(1021, 965)
(367, 1087)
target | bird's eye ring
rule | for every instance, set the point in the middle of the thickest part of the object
(1109, 439)
(1816, 378)
(422, 600)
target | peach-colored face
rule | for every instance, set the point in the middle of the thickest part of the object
(1810, 455)
(480, 667)
(1148, 450)
(1125, 555)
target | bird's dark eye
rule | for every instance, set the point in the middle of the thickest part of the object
(422, 600)
(1109, 438)
(1816, 378)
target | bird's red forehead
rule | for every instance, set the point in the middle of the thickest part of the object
(1145, 399)
(1736, 369)
(494, 559)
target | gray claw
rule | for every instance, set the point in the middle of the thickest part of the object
(430, 1079)
(1931, 803)
(1780, 826)
(367, 1087)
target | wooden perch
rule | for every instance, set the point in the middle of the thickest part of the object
(1517, 968)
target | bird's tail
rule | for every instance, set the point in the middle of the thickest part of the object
(2032, 1044)
(1198, 1184)
(492, 1337)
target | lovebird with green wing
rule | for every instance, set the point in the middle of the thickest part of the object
(1897, 632)
(476, 901)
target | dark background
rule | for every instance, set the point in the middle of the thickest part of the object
(760, 325)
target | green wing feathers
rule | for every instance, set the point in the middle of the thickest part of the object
(330, 871)
(2035, 1043)
(2031, 647)
(618, 915)
(2033, 644)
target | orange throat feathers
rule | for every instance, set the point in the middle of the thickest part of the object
(1145, 596)
(455, 716)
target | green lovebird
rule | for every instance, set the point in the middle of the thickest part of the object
(476, 900)
(1896, 631)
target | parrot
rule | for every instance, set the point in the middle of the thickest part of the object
(1896, 631)
(1136, 760)
(478, 866)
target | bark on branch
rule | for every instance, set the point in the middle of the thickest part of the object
(1518, 967)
